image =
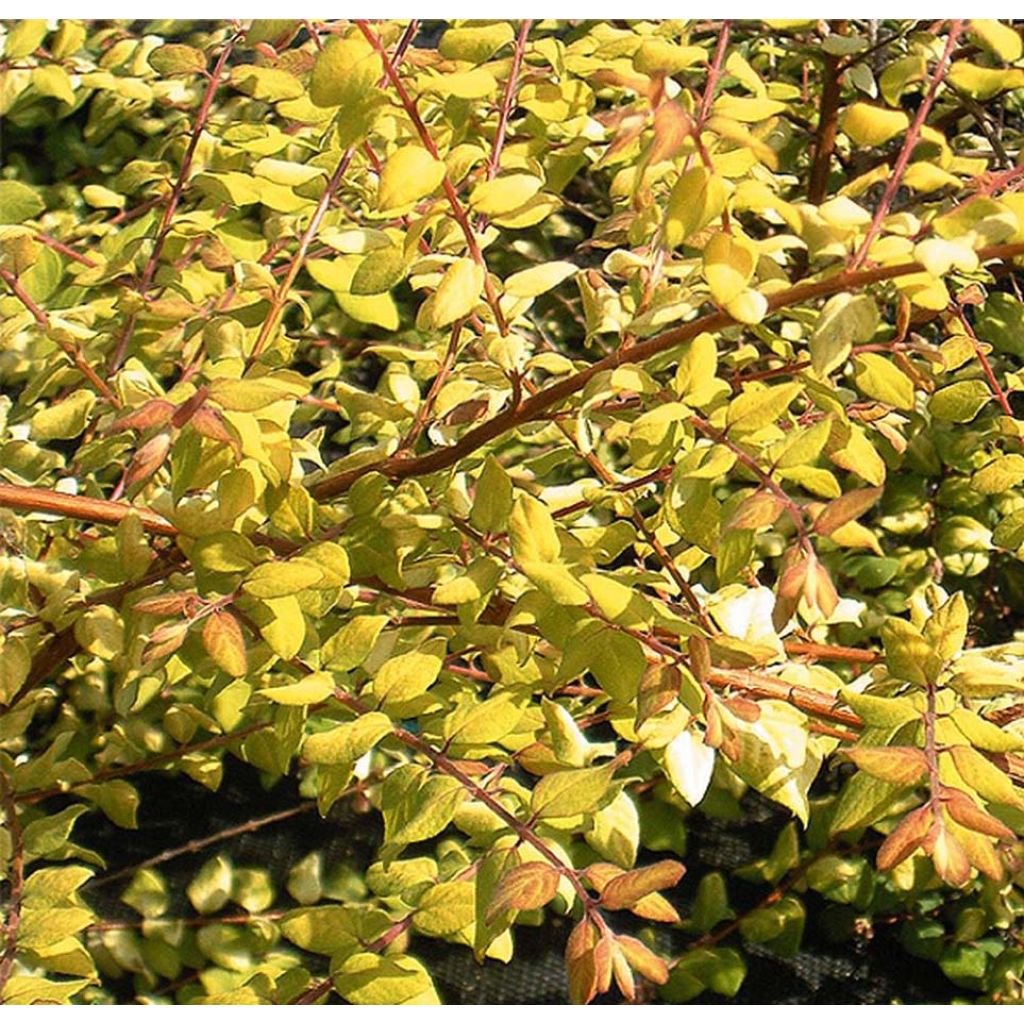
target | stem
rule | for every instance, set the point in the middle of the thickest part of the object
(163, 231)
(196, 845)
(993, 383)
(534, 407)
(828, 127)
(277, 304)
(458, 211)
(907, 151)
(76, 506)
(71, 350)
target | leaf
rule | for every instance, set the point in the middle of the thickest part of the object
(588, 960)
(531, 531)
(845, 509)
(759, 407)
(371, 979)
(344, 72)
(749, 307)
(225, 643)
(64, 419)
(689, 764)
(863, 801)
(728, 266)
(903, 766)
(457, 295)
(504, 194)
(346, 743)
(409, 175)
(525, 887)
(19, 202)
(177, 59)
(878, 378)
(697, 198)
(528, 284)
(1001, 474)
(282, 579)
(983, 776)
(317, 686)
(946, 630)
(869, 126)
(493, 499)
(626, 890)
(568, 793)
(405, 676)
(959, 402)
(963, 810)
(997, 38)
(907, 837)
(907, 653)
(475, 44)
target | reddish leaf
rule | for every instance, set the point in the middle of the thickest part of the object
(148, 459)
(225, 643)
(525, 887)
(903, 766)
(162, 604)
(627, 889)
(963, 810)
(641, 959)
(845, 509)
(588, 960)
(905, 838)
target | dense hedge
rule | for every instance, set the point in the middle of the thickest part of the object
(538, 437)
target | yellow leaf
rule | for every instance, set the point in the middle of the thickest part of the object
(697, 199)
(464, 85)
(410, 174)
(456, 295)
(749, 307)
(868, 125)
(939, 256)
(502, 195)
(998, 38)
(311, 690)
(728, 267)
(537, 280)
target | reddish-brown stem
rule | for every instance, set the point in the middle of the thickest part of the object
(907, 150)
(828, 127)
(72, 351)
(173, 199)
(426, 407)
(458, 210)
(535, 407)
(277, 304)
(77, 506)
(508, 99)
(65, 250)
(997, 392)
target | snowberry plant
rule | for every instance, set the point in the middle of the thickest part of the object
(535, 438)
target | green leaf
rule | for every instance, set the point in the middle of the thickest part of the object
(19, 203)
(878, 378)
(370, 979)
(566, 794)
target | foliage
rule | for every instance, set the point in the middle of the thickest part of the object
(537, 434)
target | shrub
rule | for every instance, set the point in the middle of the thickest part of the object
(540, 438)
